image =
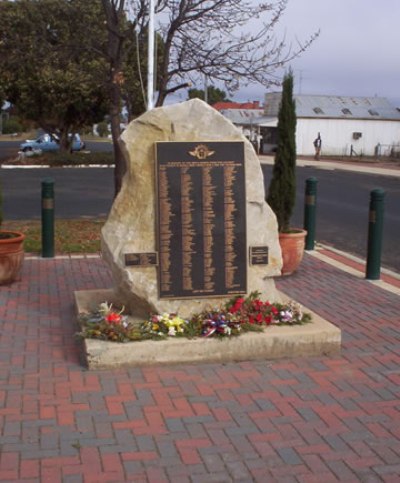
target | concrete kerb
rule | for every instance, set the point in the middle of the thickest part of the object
(333, 165)
(353, 271)
(317, 338)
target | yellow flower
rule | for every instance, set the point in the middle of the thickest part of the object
(177, 321)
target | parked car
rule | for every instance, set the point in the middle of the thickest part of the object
(50, 142)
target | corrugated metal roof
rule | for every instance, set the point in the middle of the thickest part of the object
(242, 116)
(342, 107)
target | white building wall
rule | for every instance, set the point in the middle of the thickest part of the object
(337, 136)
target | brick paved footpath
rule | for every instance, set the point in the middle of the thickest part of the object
(306, 420)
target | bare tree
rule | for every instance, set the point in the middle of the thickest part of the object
(229, 41)
(118, 30)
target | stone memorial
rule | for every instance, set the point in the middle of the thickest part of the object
(190, 227)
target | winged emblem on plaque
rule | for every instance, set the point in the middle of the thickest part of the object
(201, 151)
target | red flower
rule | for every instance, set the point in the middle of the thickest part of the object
(113, 318)
(274, 310)
(233, 309)
(268, 319)
(257, 304)
(239, 302)
(236, 306)
(259, 318)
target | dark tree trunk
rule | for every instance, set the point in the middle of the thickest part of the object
(65, 144)
(119, 159)
(115, 15)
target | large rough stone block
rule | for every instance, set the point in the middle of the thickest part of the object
(131, 226)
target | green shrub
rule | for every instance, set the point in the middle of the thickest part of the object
(12, 126)
(102, 129)
(74, 159)
(282, 188)
(86, 130)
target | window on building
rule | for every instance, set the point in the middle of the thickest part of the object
(346, 111)
(318, 110)
(373, 112)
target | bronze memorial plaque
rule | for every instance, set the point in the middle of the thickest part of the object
(201, 232)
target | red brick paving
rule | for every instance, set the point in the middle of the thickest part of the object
(306, 420)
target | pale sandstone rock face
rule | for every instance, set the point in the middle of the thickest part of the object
(131, 225)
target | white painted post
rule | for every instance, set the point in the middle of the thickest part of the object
(150, 59)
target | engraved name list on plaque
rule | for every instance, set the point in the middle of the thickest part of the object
(201, 219)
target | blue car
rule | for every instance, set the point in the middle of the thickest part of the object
(47, 143)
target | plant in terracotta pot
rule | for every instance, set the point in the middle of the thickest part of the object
(282, 188)
(11, 252)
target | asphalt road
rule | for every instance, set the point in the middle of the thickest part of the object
(342, 202)
(79, 192)
(343, 210)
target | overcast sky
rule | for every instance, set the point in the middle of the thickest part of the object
(356, 54)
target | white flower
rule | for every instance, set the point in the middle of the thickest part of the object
(171, 331)
(286, 315)
(105, 308)
(297, 310)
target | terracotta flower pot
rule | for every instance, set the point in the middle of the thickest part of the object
(11, 255)
(292, 246)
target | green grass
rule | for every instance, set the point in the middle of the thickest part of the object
(81, 158)
(71, 236)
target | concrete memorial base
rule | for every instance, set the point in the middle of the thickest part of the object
(314, 339)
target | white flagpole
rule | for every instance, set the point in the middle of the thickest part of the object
(150, 59)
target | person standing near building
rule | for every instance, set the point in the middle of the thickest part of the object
(317, 145)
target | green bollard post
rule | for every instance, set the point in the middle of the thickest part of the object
(375, 231)
(310, 208)
(48, 218)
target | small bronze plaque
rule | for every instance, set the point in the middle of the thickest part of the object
(310, 200)
(372, 216)
(48, 203)
(258, 256)
(141, 259)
